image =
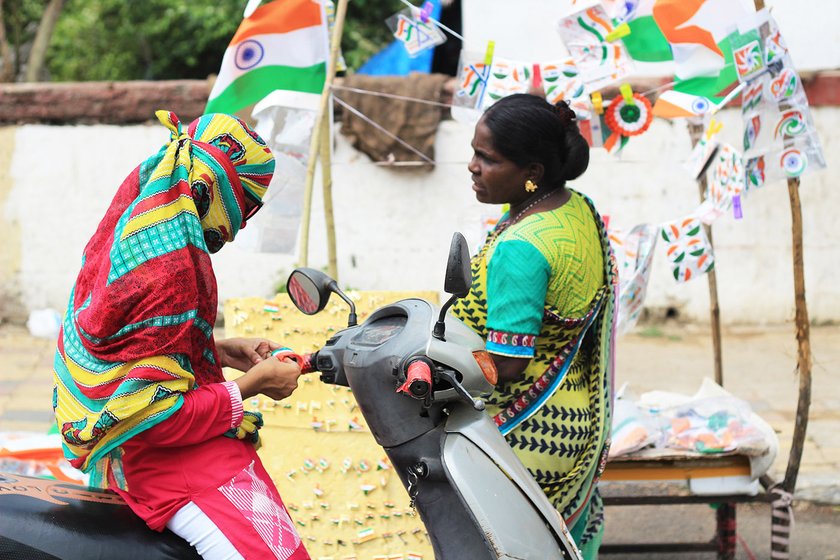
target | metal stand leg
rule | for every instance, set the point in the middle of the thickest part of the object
(726, 531)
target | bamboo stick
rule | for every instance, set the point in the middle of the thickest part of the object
(315, 143)
(329, 217)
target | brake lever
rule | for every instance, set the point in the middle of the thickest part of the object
(449, 375)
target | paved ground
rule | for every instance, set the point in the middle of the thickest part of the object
(759, 366)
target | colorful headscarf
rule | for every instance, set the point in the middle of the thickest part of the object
(138, 331)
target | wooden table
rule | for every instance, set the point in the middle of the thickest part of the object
(632, 481)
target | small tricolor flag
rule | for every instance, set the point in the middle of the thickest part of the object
(282, 45)
(674, 104)
(366, 534)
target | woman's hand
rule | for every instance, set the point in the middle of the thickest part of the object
(510, 369)
(273, 378)
(244, 353)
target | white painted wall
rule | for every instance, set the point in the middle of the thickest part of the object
(394, 226)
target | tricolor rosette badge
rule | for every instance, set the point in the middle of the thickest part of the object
(689, 250)
(629, 119)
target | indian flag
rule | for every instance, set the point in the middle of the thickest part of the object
(694, 34)
(282, 45)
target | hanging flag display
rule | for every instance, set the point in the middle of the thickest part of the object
(694, 35)
(587, 35)
(471, 82)
(506, 77)
(634, 255)
(480, 84)
(562, 81)
(282, 45)
(688, 250)
(416, 35)
(726, 178)
(780, 139)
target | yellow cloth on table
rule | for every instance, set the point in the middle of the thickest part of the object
(340, 488)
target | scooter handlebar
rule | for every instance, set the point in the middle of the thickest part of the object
(418, 382)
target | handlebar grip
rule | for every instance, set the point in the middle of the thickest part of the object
(308, 365)
(418, 382)
(283, 353)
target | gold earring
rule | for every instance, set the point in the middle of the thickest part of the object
(530, 186)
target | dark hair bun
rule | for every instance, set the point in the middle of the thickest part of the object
(567, 116)
(577, 149)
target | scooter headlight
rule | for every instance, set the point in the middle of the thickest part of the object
(487, 365)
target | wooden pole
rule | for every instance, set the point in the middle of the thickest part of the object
(315, 143)
(782, 517)
(696, 131)
(803, 339)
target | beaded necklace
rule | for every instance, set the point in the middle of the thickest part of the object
(534, 203)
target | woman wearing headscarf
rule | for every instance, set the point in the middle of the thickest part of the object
(543, 297)
(139, 397)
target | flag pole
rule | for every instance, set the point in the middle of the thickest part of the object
(696, 131)
(316, 147)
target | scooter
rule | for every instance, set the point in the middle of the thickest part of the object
(43, 519)
(419, 375)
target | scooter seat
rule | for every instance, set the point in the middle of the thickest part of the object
(44, 519)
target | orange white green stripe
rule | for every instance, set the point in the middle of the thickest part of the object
(282, 45)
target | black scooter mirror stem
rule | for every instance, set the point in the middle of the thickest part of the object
(440, 327)
(352, 320)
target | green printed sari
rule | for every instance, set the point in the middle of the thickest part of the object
(544, 289)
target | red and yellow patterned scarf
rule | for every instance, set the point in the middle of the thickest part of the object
(138, 331)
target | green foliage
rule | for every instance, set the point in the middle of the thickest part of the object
(365, 32)
(166, 39)
(21, 19)
(141, 39)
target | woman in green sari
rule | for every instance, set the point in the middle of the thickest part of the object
(543, 297)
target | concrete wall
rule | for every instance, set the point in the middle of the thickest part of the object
(393, 226)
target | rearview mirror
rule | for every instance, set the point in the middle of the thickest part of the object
(458, 279)
(310, 290)
(458, 274)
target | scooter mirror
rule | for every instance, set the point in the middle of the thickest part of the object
(309, 289)
(458, 274)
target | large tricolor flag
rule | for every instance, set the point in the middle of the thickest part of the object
(282, 45)
(694, 34)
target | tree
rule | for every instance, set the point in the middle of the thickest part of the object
(19, 22)
(42, 40)
(114, 40)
